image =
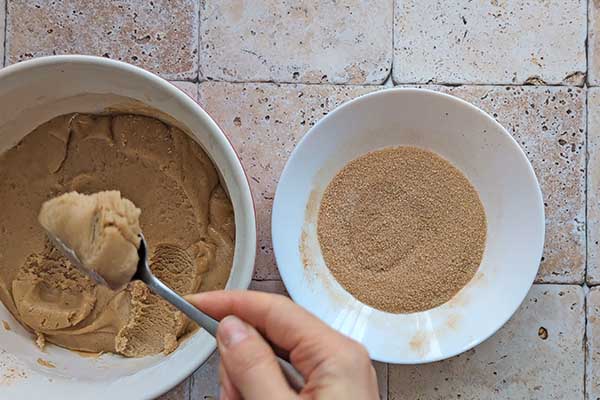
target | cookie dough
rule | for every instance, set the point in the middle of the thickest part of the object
(187, 220)
(102, 229)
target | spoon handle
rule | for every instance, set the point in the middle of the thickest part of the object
(200, 318)
(293, 377)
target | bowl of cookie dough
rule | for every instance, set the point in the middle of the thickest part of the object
(89, 124)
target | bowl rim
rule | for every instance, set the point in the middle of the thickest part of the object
(357, 101)
(246, 200)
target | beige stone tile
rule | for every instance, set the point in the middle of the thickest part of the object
(382, 379)
(159, 35)
(549, 124)
(189, 88)
(592, 379)
(270, 287)
(538, 354)
(205, 381)
(179, 392)
(264, 122)
(491, 42)
(593, 182)
(348, 41)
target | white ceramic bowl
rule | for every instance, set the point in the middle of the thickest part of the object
(35, 91)
(472, 141)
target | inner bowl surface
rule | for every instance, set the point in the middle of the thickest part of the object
(35, 91)
(473, 142)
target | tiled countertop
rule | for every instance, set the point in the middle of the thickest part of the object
(268, 70)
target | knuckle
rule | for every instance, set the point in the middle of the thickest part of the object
(349, 355)
(251, 370)
(247, 358)
(277, 302)
(281, 299)
(357, 355)
(358, 349)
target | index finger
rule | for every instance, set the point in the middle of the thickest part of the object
(283, 322)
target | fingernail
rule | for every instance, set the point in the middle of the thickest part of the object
(232, 330)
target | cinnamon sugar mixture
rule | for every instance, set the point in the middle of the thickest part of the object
(402, 229)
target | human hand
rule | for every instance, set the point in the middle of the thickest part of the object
(334, 366)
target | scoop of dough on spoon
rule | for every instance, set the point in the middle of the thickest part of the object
(100, 235)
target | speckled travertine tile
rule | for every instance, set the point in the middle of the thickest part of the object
(491, 42)
(382, 379)
(592, 374)
(179, 392)
(159, 35)
(205, 381)
(189, 88)
(549, 124)
(347, 41)
(270, 287)
(593, 182)
(593, 43)
(538, 354)
(264, 122)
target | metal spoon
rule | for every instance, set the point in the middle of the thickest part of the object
(144, 274)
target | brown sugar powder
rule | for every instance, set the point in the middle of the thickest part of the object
(401, 229)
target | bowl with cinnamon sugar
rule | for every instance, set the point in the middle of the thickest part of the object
(411, 221)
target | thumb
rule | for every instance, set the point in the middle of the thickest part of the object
(250, 362)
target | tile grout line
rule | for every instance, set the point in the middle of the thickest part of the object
(587, 147)
(432, 83)
(5, 33)
(197, 92)
(586, 43)
(268, 280)
(585, 287)
(387, 383)
(391, 75)
(586, 196)
(197, 79)
(189, 385)
(428, 83)
(585, 339)
(574, 283)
